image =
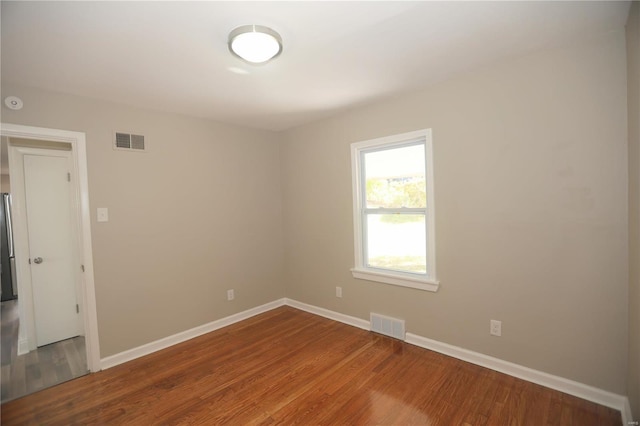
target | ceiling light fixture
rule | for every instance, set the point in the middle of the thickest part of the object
(254, 43)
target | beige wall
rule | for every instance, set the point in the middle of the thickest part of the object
(531, 205)
(633, 108)
(198, 214)
(5, 183)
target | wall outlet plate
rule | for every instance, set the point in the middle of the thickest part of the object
(338, 291)
(102, 214)
(230, 294)
(495, 328)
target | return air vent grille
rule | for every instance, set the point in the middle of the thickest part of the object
(128, 141)
(388, 326)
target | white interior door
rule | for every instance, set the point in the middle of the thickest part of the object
(49, 225)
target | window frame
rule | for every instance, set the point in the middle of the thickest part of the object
(427, 281)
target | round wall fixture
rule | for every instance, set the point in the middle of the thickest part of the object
(13, 102)
(255, 44)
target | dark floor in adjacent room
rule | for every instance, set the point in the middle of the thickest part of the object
(39, 369)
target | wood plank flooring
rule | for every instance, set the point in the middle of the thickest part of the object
(290, 367)
(9, 320)
(39, 369)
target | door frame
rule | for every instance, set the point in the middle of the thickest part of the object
(82, 209)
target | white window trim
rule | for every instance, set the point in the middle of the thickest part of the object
(361, 271)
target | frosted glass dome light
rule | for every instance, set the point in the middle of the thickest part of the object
(255, 44)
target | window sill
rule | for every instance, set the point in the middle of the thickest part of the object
(396, 279)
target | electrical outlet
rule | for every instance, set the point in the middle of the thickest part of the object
(495, 328)
(230, 295)
(103, 214)
(338, 291)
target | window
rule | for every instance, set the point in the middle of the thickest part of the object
(393, 210)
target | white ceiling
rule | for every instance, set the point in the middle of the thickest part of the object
(173, 56)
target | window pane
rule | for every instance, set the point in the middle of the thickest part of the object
(397, 242)
(395, 177)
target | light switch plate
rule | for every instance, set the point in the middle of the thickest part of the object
(103, 214)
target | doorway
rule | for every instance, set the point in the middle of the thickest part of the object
(49, 348)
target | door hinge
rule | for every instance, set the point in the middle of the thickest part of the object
(68, 177)
(77, 309)
(82, 267)
(29, 261)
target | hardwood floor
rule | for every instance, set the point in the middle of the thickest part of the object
(290, 367)
(39, 369)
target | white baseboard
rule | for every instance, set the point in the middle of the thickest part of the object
(590, 393)
(23, 346)
(131, 354)
(336, 316)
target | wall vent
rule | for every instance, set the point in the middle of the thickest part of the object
(129, 142)
(388, 326)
